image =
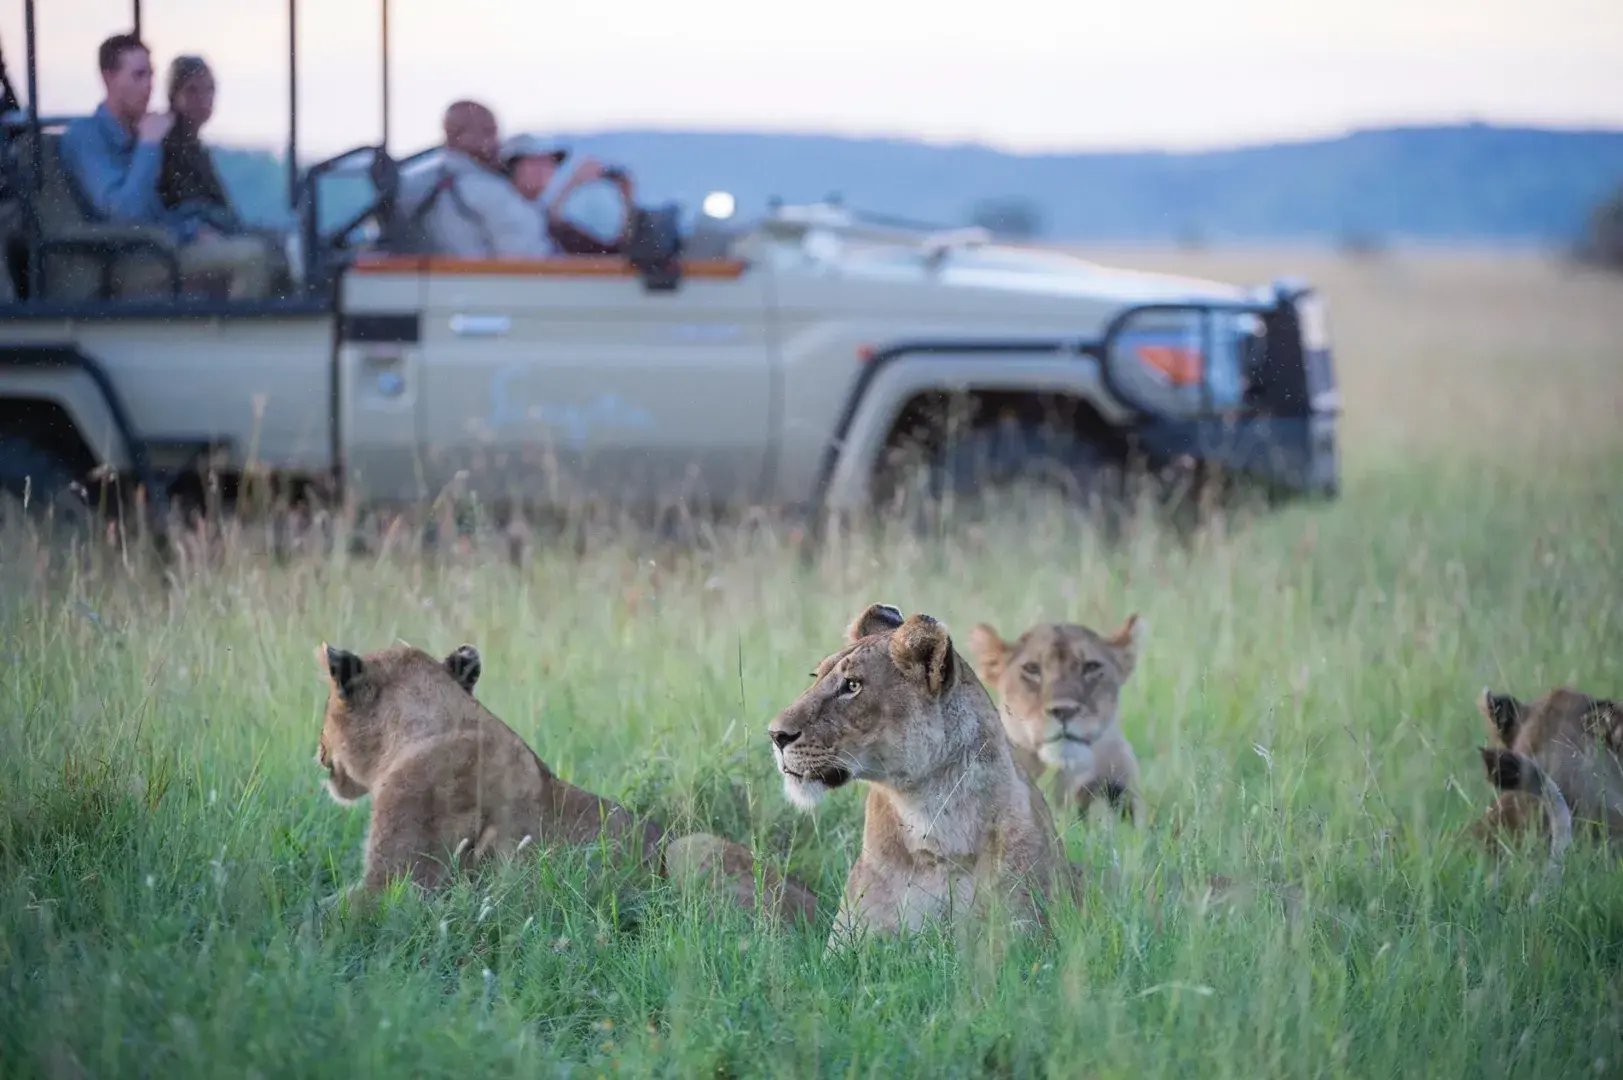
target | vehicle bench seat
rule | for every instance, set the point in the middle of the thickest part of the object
(82, 258)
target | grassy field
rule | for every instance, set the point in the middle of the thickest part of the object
(1303, 711)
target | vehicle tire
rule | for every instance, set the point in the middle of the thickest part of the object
(1014, 459)
(40, 487)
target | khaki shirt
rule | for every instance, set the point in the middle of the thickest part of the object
(481, 215)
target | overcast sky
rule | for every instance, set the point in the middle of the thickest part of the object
(1020, 74)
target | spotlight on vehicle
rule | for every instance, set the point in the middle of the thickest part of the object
(720, 205)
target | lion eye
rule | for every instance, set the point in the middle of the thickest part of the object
(1092, 668)
(1032, 670)
(850, 687)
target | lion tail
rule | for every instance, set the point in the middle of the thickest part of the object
(720, 863)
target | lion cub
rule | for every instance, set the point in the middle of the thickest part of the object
(448, 780)
(452, 785)
(951, 821)
(1059, 685)
(1559, 760)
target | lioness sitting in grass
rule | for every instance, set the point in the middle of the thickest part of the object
(1558, 760)
(952, 823)
(1058, 688)
(452, 785)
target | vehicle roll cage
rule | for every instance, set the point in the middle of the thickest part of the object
(303, 203)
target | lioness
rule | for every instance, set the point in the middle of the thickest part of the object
(1559, 761)
(951, 821)
(451, 784)
(1058, 688)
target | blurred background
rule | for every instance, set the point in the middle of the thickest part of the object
(1462, 123)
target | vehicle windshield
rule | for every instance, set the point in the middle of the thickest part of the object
(825, 234)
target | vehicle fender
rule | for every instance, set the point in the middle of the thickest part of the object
(77, 394)
(879, 397)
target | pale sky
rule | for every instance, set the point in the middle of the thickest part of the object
(1017, 74)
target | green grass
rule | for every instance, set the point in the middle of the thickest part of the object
(1303, 712)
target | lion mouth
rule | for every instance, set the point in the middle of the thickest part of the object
(831, 777)
(1069, 737)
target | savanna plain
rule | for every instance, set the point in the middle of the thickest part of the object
(1302, 708)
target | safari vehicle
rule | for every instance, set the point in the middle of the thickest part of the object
(784, 361)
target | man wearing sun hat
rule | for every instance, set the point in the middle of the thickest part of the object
(532, 163)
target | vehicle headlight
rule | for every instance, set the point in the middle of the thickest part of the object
(1189, 361)
(1237, 344)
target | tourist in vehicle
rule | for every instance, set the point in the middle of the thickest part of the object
(532, 164)
(114, 154)
(116, 157)
(473, 210)
(188, 183)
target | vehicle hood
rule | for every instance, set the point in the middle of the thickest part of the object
(1054, 273)
(1034, 273)
(831, 242)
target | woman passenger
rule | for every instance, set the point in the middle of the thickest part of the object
(189, 186)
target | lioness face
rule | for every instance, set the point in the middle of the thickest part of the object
(1058, 685)
(355, 721)
(872, 711)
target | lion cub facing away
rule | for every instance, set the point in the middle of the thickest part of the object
(451, 784)
(951, 822)
(1059, 686)
(1558, 760)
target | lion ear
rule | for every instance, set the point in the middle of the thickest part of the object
(921, 649)
(464, 666)
(1503, 713)
(1605, 720)
(1504, 768)
(343, 668)
(1124, 643)
(991, 652)
(876, 620)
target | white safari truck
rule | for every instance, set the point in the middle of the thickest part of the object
(782, 362)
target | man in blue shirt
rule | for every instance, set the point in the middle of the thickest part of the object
(115, 156)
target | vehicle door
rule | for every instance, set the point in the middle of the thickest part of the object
(565, 378)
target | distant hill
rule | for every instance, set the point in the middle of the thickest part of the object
(1471, 183)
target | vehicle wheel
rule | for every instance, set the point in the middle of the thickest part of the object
(39, 487)
(1015, 459)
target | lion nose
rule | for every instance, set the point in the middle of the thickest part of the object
(1064, 714)
(781, 739)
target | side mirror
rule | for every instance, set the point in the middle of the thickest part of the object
(655, 247)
